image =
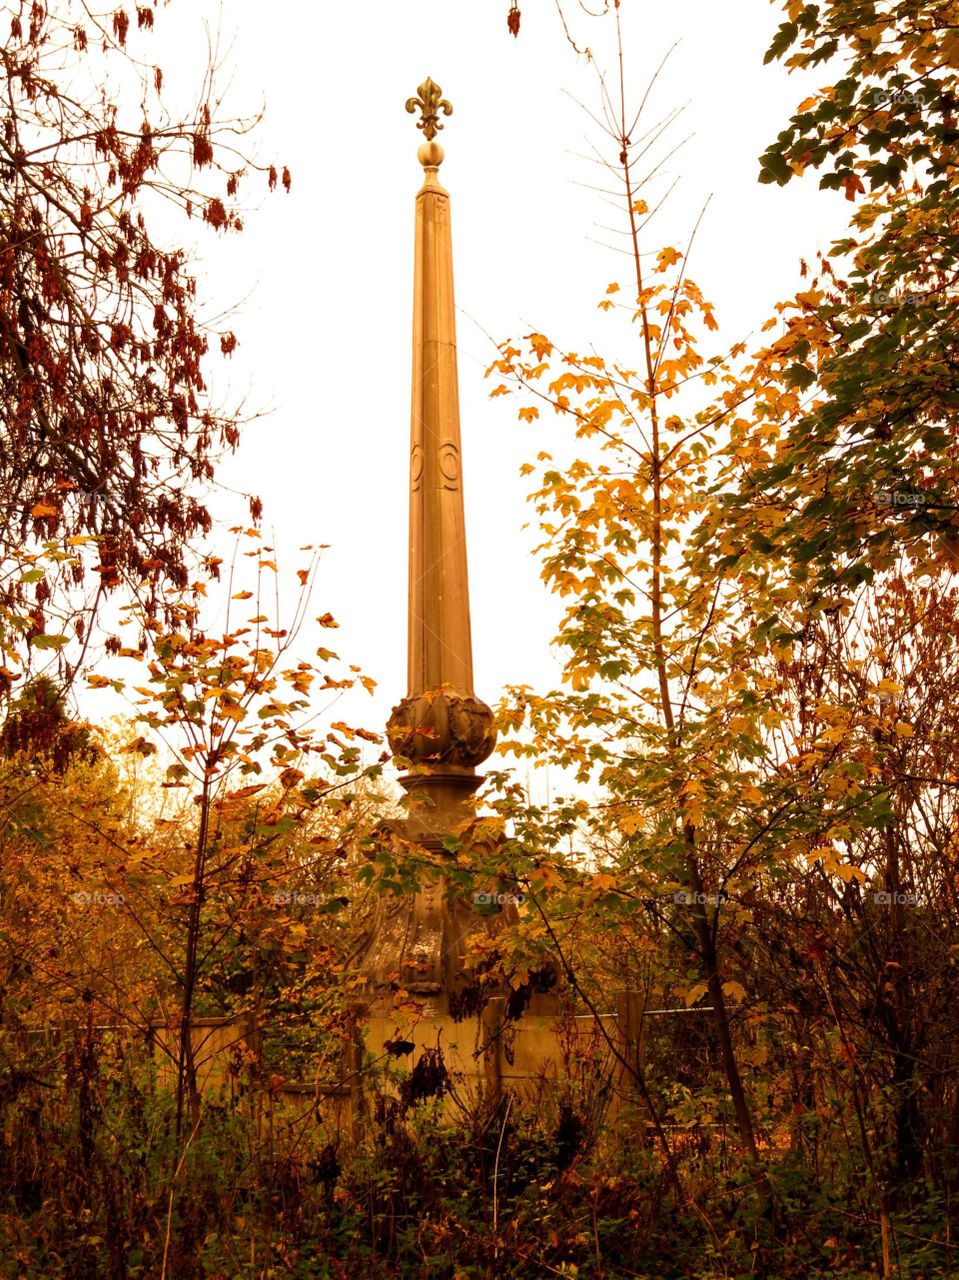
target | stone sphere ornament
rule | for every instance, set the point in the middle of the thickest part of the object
(442, 726)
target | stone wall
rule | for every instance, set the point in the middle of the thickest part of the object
(546, 1052)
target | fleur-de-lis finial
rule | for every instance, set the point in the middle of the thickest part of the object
(430, 104)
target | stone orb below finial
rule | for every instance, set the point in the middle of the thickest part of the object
(431, 155)
(442, 727)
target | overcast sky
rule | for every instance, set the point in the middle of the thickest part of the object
(325, 333)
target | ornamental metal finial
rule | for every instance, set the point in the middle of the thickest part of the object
(430, 104)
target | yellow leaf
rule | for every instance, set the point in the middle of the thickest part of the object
(244, 793)
(529, 414)
(540, 344)
(43, 509)
(693, 814)
(902, 730)
(519, 978)
(825, 854)
(667, 257)
(695, 993)
(549, 877)
(604, 882)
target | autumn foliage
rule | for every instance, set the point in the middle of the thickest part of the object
(110, 434)
(748, 840)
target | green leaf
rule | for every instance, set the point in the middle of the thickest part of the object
(798, 375)
(774, 168)
(783, 38)
(49, 642)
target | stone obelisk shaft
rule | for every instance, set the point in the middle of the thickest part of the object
(440, 731)
(441, 728)
(440, 647)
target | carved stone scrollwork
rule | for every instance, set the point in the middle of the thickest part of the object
(416, 466)
(442, 727)
(450, 465)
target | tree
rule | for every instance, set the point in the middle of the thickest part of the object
(655, 713)
(744, 586)
(108, 431)
(843, 453)
(220, 705)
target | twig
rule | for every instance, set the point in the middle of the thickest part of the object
(169, 1214)
(499, 1147)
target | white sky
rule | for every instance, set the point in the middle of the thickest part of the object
(325, 336)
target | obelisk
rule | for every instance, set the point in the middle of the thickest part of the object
(440, 727)
(440, 731)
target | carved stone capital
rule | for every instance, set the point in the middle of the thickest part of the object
(442, 726)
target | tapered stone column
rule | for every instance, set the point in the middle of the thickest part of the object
(440, 731)
(440, 727)
(420, 947)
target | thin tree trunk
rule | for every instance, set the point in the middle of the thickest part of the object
(186, 1062)
(704, 933)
